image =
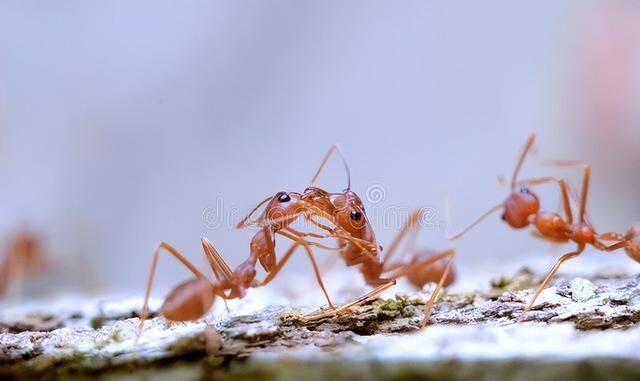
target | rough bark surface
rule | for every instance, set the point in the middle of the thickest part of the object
(581, 327)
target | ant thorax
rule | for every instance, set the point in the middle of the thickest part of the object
(552, 226)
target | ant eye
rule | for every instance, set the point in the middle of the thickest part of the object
(355, 215)
(504, 218)
(284, 198)
(525, 190)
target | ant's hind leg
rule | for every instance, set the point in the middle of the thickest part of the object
(218, 265)
(548, 278)
(154, 265)
(445, 274)
(407, 232)
(430, 261)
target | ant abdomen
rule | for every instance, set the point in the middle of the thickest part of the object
(189, 300)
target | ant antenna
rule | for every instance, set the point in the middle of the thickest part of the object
(523, 154)
(475, 223)
(243, 223)
(334, 148)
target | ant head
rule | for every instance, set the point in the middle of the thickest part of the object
(351, 216)
(632, 248)
(189, 300)
(519, 206)
(283, 208)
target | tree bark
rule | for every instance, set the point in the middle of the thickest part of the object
(577, 326)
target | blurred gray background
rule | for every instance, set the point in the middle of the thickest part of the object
(126, 123)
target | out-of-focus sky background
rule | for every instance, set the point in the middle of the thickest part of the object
(123, 124)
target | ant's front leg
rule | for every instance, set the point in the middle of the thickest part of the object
(306, 246)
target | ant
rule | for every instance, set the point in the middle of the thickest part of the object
(190, 300)
(521, 209)
(24, 257)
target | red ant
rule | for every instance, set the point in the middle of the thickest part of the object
(345, 211)
(24, 257)
(522, 209)
(192, 299)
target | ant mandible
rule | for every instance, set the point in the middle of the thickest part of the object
(522, 209)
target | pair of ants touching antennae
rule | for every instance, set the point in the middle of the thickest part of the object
(521, 209)
(339, 216)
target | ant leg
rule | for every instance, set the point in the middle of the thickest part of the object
(366, 247)
(528, 145)
(334, 148)
(548, 278)
(564, 190)
(405, 269)
(429, 305)
(302, 235)
(336, 231)
(279, 265)
(453, 237)
(436, 292)
(611, 236)
(586, 178)
(345, 308)
(218, 265)
(409, 227)
(411, 268)
(613, 247)
(154, 265)
(305, 245)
